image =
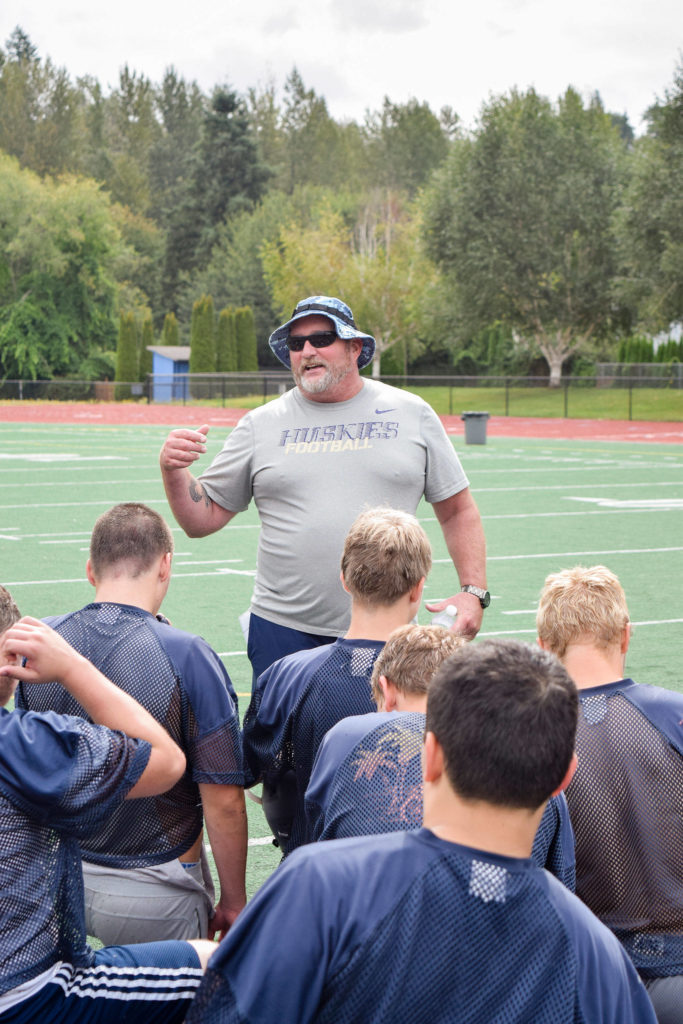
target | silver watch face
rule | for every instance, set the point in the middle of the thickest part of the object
(483, 595)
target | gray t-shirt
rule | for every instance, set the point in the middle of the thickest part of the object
(312, 467)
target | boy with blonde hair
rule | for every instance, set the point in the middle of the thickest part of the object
(367, 777)
(386, 558)
(626, 799)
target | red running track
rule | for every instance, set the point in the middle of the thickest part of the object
(111, 413)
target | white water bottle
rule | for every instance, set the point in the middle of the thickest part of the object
(445, 618)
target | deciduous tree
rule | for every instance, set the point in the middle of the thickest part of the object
(520, 218)
(650, 218)
(379, 267)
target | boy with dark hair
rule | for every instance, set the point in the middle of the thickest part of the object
(386, 558)
(146, 872)
(626, 799)
(60, 780)
(453, 922)
(367, 776)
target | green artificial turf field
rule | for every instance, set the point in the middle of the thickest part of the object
(545, 506)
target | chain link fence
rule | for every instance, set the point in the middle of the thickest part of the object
(500, 395)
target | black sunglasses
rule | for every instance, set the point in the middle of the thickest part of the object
(321, 339)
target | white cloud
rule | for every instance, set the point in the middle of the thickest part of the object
(355, 53)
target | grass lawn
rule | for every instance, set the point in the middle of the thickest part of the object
(545, 506)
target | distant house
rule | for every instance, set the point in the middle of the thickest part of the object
(170, 367)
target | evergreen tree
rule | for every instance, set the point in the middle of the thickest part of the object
(171, 333)
(226, 342)
(126, 356)
(247, 360)
(146, 357)
(202, 341)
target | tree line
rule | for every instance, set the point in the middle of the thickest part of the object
(546, 236)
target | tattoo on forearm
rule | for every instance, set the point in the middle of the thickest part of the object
(197, 493)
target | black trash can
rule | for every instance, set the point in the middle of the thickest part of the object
(475, 427)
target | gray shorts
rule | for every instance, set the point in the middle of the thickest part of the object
(166, 901)
(667, 998)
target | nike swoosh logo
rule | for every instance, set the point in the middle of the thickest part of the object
(380, 412)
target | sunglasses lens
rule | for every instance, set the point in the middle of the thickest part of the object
(320, 340)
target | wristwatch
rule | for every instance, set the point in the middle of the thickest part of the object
(483, 595)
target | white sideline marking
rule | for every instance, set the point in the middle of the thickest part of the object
(81, 504)
(76, 483)
(568, 554)
(262, 841)
(211, 561)
(574, 487)
(62, 457)
(636, 504)
(592, 512)
(71, 540)
(518, 632)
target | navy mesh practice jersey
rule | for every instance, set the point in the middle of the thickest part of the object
(61, 779)
(626, 805)
(294, 703)
(407, 927)
(367, 779)
(182, 682)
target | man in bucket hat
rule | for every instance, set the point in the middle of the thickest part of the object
(312, 460)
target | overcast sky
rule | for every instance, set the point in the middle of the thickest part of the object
(355, 52)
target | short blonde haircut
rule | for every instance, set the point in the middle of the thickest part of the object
(386, 554)
(410, 658)
(581, 605)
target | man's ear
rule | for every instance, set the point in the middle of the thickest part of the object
(569, 775)
(415, 595)
(89, 574)
(433, 760)
(625, 637)
(165, 567)
(343, 583)
(389, 692)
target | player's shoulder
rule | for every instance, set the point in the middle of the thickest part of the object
(652, 696)
(296, 668)
(663, 708)
(355, 727)
(35, 738)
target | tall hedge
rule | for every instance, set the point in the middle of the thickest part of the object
(247, 359)
(170, 334)
(226, 342)
(146, 357)
(126, 355)
(202, 338)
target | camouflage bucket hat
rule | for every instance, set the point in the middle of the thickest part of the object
(340, 315)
